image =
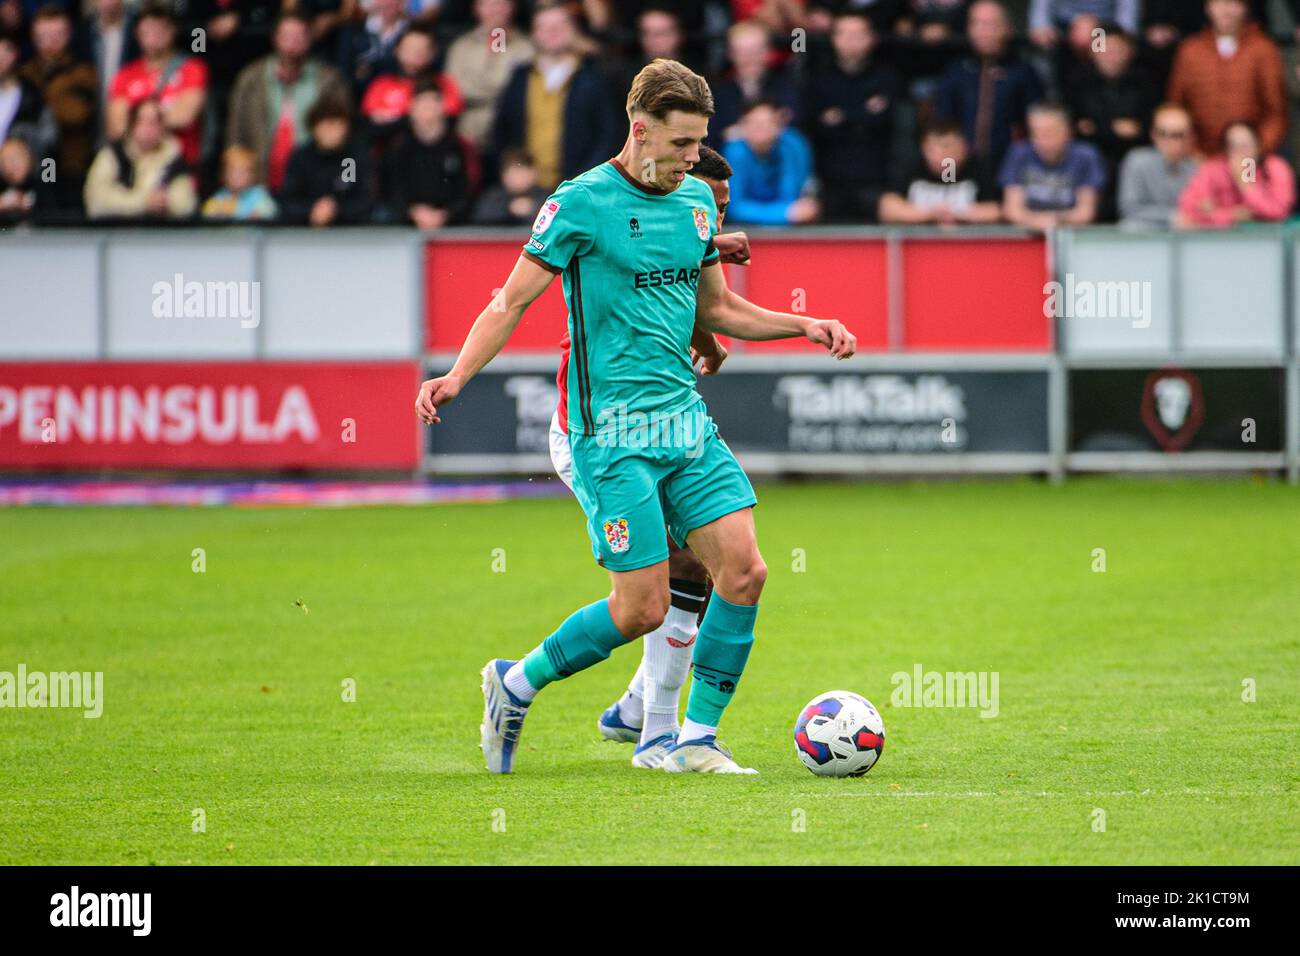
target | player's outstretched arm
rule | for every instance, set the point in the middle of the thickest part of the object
(488, 335)
(718, 309)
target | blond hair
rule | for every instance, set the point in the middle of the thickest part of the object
(666, 85)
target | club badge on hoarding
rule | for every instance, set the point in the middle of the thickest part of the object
(1173, 408)
(545, 216)
(701, 222)
(616, 534)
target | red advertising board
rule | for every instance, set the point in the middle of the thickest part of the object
(209, 415)
(460, 279)
(977, 294)
(824, 278)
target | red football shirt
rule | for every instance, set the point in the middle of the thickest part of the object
(392, 95)
(135, 82)
(562, 380)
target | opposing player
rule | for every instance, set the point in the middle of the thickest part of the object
(633, 239)
(647, 713)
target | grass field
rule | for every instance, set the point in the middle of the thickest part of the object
(1119, 691)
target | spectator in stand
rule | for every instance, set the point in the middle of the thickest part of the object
(388, 97)
(106, 40)
(751, 80)
(326, 19)
(419, 11)
(1153, 177)
(425, 170)
(990, 92)
(929, 39)
(236, 32)
(1066, 32)
(369, 48)
(1243, 184)
(775, 16)
(22, 112)
(933, 21)
(515, 201)
(268, 108)
(1051, 21)
(20, 189)
(945, 185)
(1051, 180)
(481, 62)
(177, 81)
(850, 108)
(1230, 71)
(1164, 25)
(1113, 103)
(328, 182)
(143, 175)
(241, 197)
(557, 108)
(772, 170)
(13, 17)
(885, 15)
(659, 34)
(70, 91)
(696, 21)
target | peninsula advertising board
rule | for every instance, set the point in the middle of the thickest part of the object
(912, 411)
(208, 415)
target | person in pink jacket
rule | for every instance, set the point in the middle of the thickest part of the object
(1238, 186)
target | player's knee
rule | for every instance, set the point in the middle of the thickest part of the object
(642, 615)
(745, 579)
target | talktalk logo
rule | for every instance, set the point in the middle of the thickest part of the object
(172, 415)
(535, 397)
(872, 398)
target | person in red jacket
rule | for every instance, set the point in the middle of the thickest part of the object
(166, 73)
(388, 97)
(1244, 184)
(1230, 71)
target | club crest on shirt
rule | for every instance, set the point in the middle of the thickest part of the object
(701, 222)
(616, 534)
(545, 216)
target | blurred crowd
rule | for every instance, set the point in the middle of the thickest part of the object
(435, 113)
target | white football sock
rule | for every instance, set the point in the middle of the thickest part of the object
(693, 731)
(631, 705)
(666, 661)
(517, 683)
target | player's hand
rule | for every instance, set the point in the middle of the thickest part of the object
(433, 393)
(709, 360)
(839, 341)
(732, 247)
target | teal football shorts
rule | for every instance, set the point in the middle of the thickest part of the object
(638, 473)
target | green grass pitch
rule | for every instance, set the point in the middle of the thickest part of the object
(1120, 691)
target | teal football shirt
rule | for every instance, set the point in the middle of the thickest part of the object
(630, 257)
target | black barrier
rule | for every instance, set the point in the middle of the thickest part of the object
(790, 418)
(1171, 409)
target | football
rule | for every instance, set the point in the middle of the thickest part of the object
(839, 734)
